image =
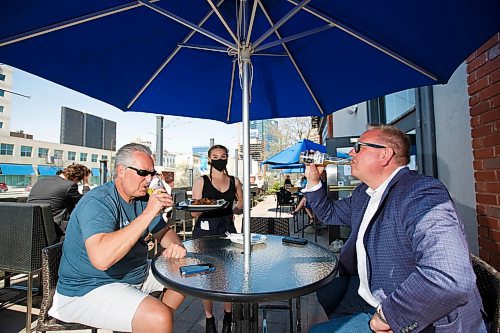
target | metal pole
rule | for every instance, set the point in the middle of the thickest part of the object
(103, 166)
(159, 140)
(246, 154)
(212, 142)
(236, 162)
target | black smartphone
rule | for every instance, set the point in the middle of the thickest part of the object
(196, 269)
(294, 240)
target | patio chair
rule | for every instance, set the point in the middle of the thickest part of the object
(25, 230)
(284, 199)
(51, 257)
(488, 283)
(280, 227)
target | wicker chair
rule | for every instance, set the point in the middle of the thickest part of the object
(51, 256)
(280, 227)
(25, 230)
(488, 283)
(284, 199)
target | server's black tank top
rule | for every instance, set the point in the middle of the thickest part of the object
(210, 192)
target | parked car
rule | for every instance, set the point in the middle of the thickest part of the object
(3, 187)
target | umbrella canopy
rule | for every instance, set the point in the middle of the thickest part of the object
(181, 57)
(201, 58)
(291, 154)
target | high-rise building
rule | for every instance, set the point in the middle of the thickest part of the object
(83, 129)
(5, 99)
(266, 131)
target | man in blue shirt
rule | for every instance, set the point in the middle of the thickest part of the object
(104, 275)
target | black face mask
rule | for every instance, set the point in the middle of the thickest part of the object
(219, 165)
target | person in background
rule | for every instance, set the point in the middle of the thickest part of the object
(61, 193)
(104, 275)
(288, 181)
(260, 184)
(407, 243)
(217, 185)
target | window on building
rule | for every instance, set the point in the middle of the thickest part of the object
(94, 157)
(83, 157)
(71, 155)
(398, 104)
(43, 152)
(1, 124)
(104, 157)
(58, 154)
(26, 151)
(2, 93)
(1, 108)
(2, 77)
(6, 149)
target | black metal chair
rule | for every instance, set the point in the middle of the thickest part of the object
(284, 199)
(280, 227)
(488, 283)
(25, 229)
(51, 257)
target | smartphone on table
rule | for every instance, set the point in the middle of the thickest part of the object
(201, 268)
(294, 240)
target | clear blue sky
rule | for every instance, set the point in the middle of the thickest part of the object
(41, 116)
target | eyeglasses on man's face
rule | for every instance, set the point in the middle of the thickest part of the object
(359, 144)
(142, 172)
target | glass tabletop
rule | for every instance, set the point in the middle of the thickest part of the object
(274, 271)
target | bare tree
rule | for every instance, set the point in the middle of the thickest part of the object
(288, 132)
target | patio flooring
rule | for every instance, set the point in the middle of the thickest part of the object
(190, 317)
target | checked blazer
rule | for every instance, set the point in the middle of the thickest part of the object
(418, 261)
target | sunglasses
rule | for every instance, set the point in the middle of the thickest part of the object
(359, 144)
(143, 173)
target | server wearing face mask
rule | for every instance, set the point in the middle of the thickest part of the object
(217, 185)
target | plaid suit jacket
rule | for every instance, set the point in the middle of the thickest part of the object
(418, 261)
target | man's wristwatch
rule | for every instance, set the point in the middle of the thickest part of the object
(380, 315)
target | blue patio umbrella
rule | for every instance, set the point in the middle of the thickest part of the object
(213, 60)
(291, 154)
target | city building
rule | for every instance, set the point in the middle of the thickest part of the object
(23, 159)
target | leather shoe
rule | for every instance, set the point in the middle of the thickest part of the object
(210, 325)
(226, 323)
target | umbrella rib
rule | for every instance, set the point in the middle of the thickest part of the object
(313, 96)
(69, 23)
(294, 37)
(170, 57)
(203, 47)
(188, 24)
(250, 25)
(282, 21)
(231, 92)
(368, 41)
(223, 21)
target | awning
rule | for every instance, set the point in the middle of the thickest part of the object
(16, 169)
(48, 170)
(96, 172)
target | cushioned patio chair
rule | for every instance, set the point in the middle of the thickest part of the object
(51, 257)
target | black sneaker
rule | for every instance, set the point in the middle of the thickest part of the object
(210, 325)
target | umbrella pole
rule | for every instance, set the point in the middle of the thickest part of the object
(245, 59)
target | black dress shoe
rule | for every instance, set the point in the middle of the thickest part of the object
(210, 325)
(226, 323)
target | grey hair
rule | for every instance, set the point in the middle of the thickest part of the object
(125, 155)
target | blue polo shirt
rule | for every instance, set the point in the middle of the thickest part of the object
(102, 210)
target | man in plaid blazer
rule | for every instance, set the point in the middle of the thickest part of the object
(407, 243)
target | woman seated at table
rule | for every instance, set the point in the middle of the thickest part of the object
(217, 185)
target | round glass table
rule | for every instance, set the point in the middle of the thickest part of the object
(273, 271)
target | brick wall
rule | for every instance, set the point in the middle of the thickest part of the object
(483, 79)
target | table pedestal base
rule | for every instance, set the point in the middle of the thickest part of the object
(246, 317)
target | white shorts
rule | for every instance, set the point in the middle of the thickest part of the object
(110, 307)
